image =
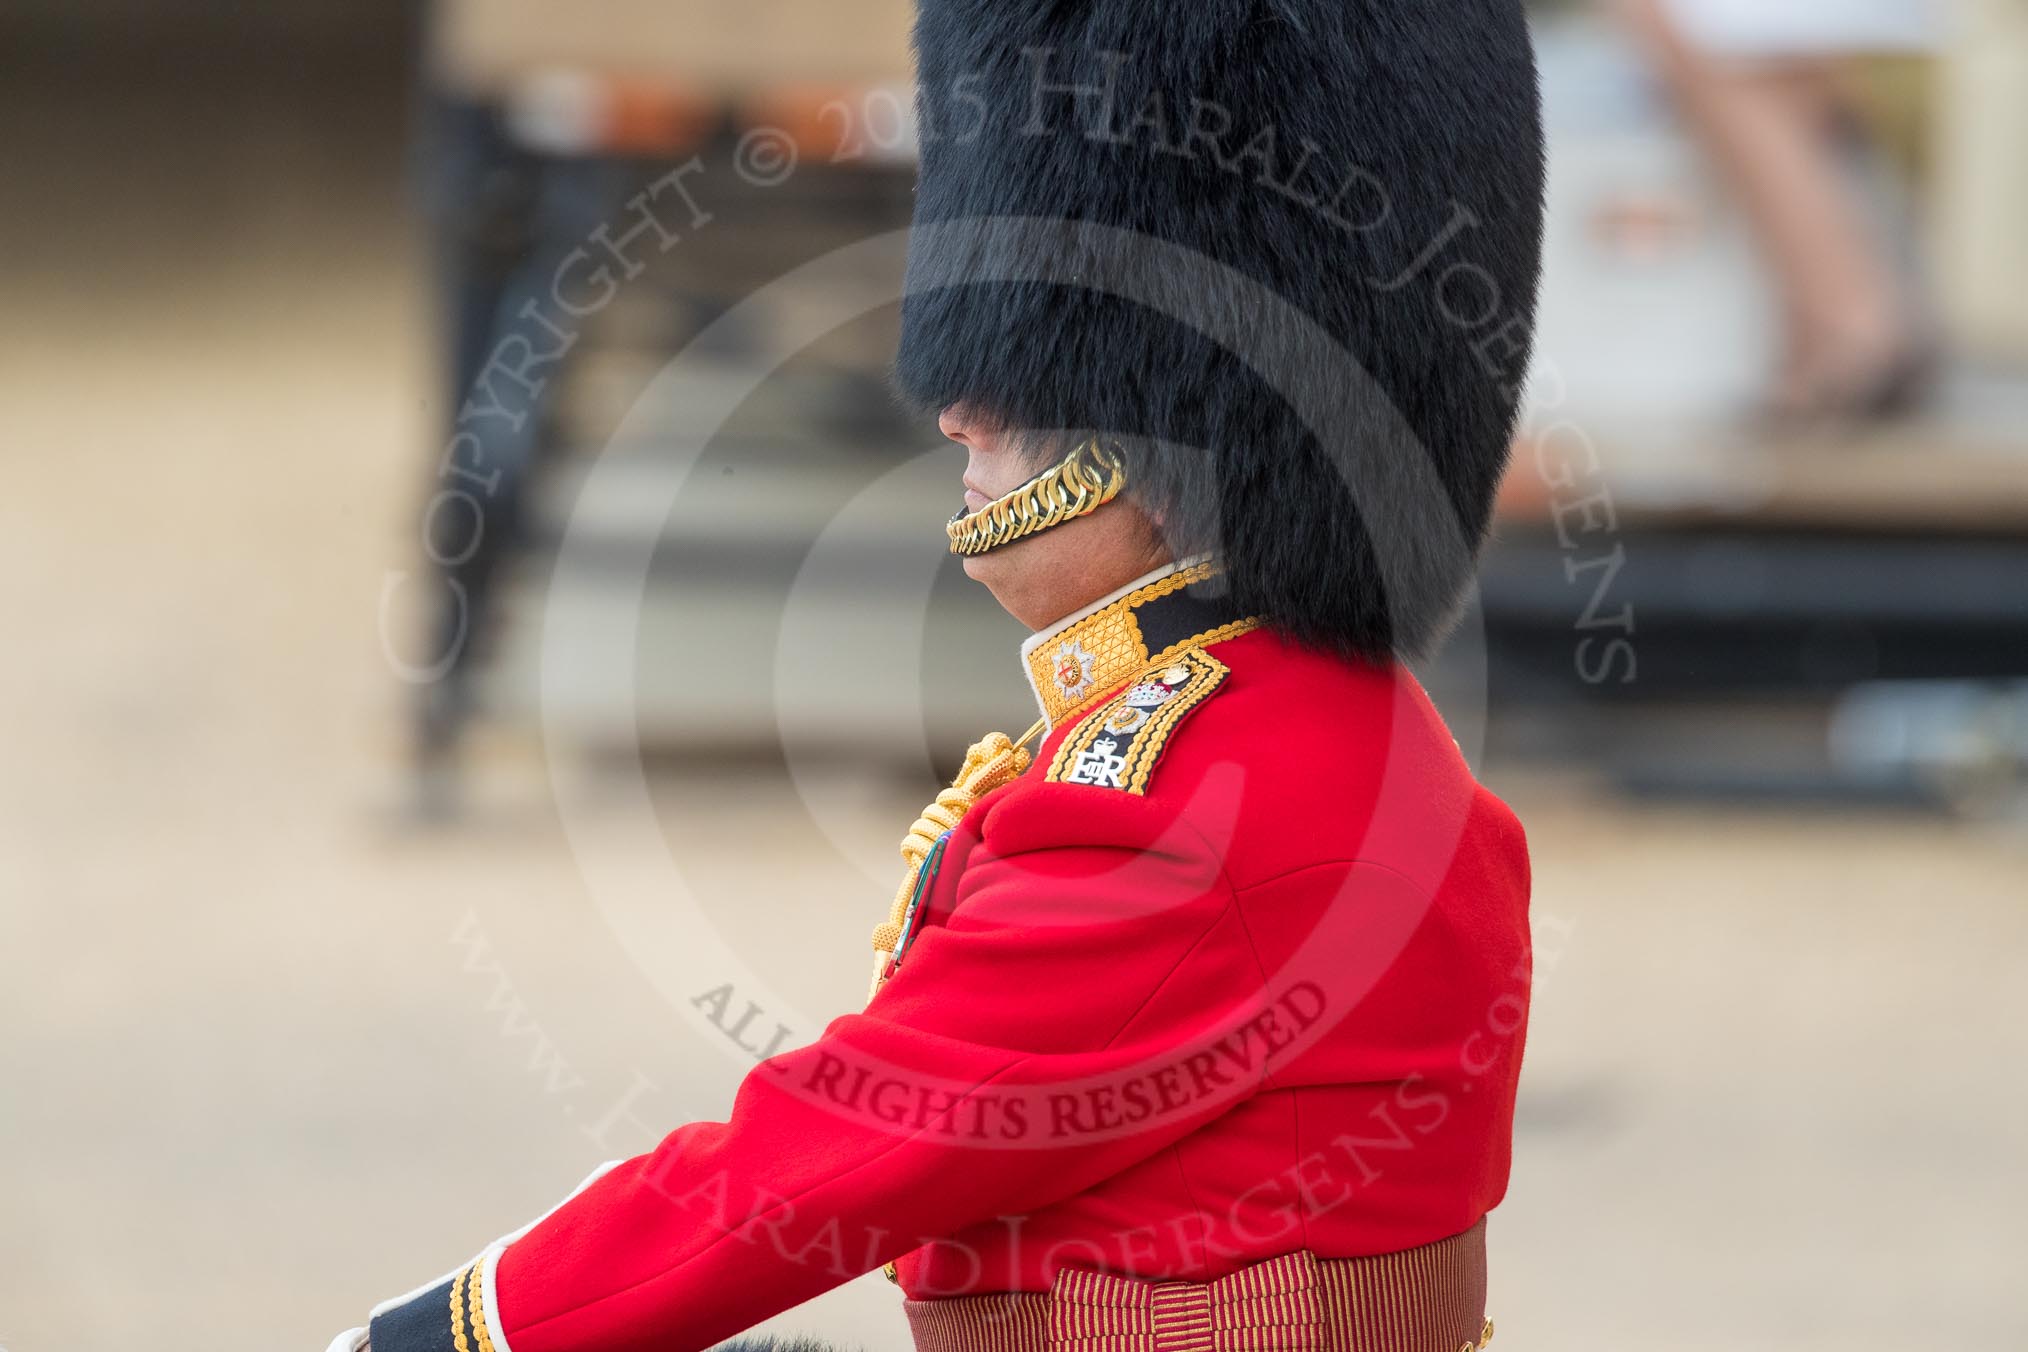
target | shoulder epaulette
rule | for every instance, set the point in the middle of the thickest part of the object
(1117, 744)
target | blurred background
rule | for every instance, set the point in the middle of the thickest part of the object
(461, 610)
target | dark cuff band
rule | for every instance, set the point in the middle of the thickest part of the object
(447, 1318)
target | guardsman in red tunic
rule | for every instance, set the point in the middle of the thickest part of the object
(1198, 1015)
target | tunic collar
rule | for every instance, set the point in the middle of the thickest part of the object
(1086, 655)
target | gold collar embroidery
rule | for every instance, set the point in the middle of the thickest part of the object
(1152, 620)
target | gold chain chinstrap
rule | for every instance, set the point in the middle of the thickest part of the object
(1091, 476)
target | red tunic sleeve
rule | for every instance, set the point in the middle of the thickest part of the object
(993, 1075)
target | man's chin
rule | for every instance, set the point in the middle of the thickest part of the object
(1001, 571)
(987, 569)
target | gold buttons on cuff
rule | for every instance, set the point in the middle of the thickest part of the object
(1486, 1333)
(891, 1274)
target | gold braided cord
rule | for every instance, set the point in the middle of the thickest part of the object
(477, 1290)
(1091, 476)
(458, 1311)
(992, 761)
(1230, 629)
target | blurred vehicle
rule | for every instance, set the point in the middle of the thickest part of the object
(544, 124)
(1672, 591)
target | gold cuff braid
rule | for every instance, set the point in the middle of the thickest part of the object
(1091, 476)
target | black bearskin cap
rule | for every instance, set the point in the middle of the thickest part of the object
(1285, 250)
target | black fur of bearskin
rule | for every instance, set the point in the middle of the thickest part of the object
(1339, 204)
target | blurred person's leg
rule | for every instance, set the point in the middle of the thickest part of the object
(482, 193)
(1771, 125)
(506, 217)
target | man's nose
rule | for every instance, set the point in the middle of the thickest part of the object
(953, 424)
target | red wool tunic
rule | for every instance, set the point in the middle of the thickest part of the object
(1238, 967)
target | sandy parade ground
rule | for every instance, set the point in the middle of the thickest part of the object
(270, 1051)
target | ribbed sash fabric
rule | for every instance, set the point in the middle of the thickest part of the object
(1431, 1299)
